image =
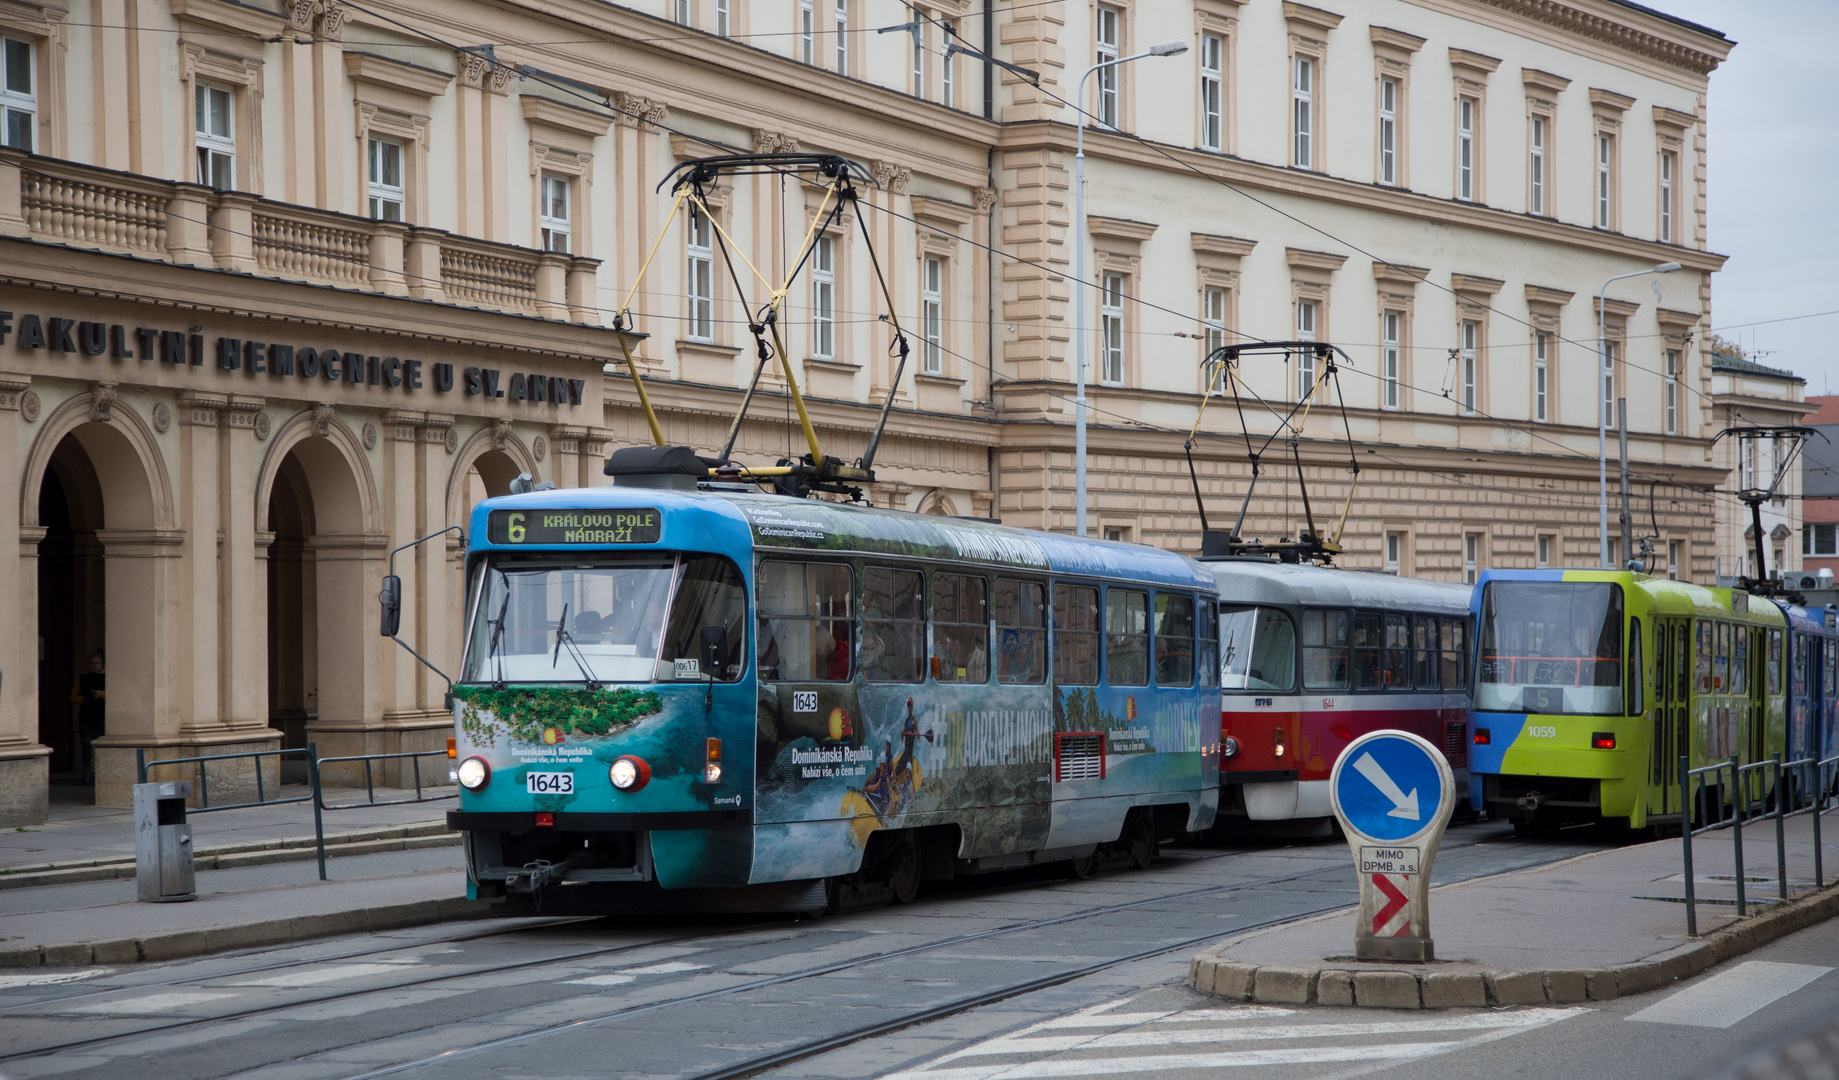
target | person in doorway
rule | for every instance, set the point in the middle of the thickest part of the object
(90, 694)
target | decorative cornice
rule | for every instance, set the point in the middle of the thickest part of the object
(1300, 259)
(1610, 32)
(1399, 274)
(1680, 122)
(1481, 66)
(1396, 39)
(1119, 228)
(1609, 99)
(1313, 18)
(941, 212)
(541, 110)
(396, 75)
(1542, 294)
(1221, 246)
(1543, 80)
(1475, 285)
(1620, 309)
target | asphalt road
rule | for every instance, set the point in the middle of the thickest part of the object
(1017, 975)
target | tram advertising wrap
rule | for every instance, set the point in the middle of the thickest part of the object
(1311, 659)
(766, 702)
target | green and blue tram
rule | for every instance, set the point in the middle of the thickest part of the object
(696, 696)
(1590, 685)
(1813, 664)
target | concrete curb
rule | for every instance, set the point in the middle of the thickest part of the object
(179, 944)
(1418, 988)
(252, 853)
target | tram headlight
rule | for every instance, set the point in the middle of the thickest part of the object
(629, 773)
(473, 773)
(1230, 747)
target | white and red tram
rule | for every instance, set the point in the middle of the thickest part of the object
(1312, 658)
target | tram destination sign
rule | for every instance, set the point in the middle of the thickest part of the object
(526, 528)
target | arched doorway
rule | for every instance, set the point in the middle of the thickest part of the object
(490, 476)
(293, 612)
(71, 609)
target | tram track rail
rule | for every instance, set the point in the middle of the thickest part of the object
(486, 971)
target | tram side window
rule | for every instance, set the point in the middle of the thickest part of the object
(960, 628)
(1740, 659)
(1126, 637)
(805, 617)
(1207, 652)
(1324, 649)
(1775, 662)
(1720, 660)
(1368, 649)
(1075, 635)
(709, 593)
(1682, 671)
(1021, 632)
(1637, 674)
(1424, 652)
(1798, 680)
(1832, 662)
(1398, 653)
(1454, 653)
(893, 625)
(1702, 669)
(1174, 639)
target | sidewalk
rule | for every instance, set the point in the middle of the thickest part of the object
(1595, 927)
(93, 843)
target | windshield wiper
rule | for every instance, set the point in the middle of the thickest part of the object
(491, 650)
(574, 653)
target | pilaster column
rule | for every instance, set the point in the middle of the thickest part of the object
(350, 656)
(552, 285)
(594, 456)
(201, 463)
(438, 604)
(142, 574)
(233, 231)
(565, 444)
(402, 481)
(24, 763)
(242, 613)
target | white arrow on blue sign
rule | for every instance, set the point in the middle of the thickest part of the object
(1393, 789)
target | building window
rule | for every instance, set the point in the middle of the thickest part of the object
(1471, 330)
(1605, 188)
(1471, 557)
(823, 298)
(554, 218)
(18, 96)
(1671, 392)
(1465, 148)
(1542, 375)
(1111, 329)
(1535, 169)
(1389, 357)
(1667, 163)
(1305, 361)
(387, 191)
(1542, 551)
(1388, 131)
(1820, 540)
(215, 110)
(1676, 557)
(680, 12)
(840, 18)
(1117, 534)
(1213, 323)
(947, 92)
(919, 63)
(1108, 37)
(1303, 101)
(807, 31)
(932, 314)
(1609, 385)
(1212, 91)
(1395, 550)
(699, 276)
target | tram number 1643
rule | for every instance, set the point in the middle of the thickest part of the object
(549, 783)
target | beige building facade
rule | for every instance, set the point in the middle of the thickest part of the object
(292, 283)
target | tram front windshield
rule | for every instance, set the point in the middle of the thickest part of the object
(1553, 648)
(621, 619)
(1257, 649)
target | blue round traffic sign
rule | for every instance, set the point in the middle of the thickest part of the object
(1389, 786)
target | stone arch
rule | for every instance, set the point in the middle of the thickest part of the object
(497, 448)
(938, 504)
(135, 486)
(344, 490)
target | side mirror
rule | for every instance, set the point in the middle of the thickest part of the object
(714, 650)
(391, 596)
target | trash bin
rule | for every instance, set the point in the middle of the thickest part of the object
(163, 871)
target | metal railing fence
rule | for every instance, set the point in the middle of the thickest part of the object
(1750, 799)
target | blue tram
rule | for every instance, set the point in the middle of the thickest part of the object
(680, 694)
(1813, 690)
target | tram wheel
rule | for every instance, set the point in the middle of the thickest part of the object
(1080, 867)
(1141, 842)
(903, 864)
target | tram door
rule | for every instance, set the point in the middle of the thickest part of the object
(1667, 716)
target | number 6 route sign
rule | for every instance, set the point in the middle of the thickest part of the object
(1393, 793)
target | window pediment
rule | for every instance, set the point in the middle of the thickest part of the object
(392, 84)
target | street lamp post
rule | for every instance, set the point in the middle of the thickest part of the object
(1167, 48)
(1604, 370)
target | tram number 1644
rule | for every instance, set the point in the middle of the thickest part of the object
(549, 783)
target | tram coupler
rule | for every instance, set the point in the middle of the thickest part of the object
(1528, 804)
(541, 873)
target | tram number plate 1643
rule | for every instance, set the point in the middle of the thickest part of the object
(1388, 860)
(550, 783)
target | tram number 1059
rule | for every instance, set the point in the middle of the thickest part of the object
(549, 783)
